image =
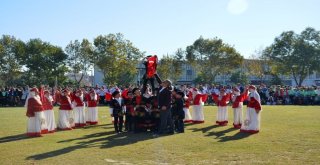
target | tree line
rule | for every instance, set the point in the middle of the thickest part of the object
(39, 62)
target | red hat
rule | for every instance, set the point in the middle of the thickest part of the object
(252, 87)
(236, 89)
(34, 90)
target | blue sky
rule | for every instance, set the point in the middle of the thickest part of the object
(159, 26)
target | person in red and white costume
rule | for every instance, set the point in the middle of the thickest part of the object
(48, 111)
(66, 120)
(92, 112)
(222, 99)
(252, 122)
(197, 106)
(187, 114)
(237, 105)
(36, 119)
(79, 109)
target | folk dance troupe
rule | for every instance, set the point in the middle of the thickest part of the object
(161, 110)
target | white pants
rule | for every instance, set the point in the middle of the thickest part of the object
(187, 115)
(79, 116)
(50, 121)
(197, 114)
(237, 117)
(252, 121)
(222, 115)
(35, 127)
(92, 115)
(66, 120)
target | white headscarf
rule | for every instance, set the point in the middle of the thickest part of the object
(255, 95)
(32, 94)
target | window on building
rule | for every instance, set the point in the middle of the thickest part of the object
(189, 72)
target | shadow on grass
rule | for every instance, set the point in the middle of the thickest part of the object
(237, 136)
(205, 129)
(102, 140)
(221, 135)
(106, 126)
(13, 138)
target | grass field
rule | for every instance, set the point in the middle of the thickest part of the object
(289, 135)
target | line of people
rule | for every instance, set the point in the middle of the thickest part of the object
(72, 111)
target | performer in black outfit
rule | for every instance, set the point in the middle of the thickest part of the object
(117, 110)
(164, 103)
(139, 103)
(178, 113)
(155, 112)
(130, 114)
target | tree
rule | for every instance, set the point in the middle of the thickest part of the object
(212, 57)
(10, 53)
(177, 62)
(276, 80)
(257, 65)
(80, 58)
(164, 67)
(116, 57)
(295, 54)
(44, 63)
(170, 66)
(239, 77)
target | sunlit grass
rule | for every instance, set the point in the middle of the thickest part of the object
(289, 135)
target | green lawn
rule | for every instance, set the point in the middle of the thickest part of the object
(289, 135)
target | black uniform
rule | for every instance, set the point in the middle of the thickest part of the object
(117, 112)
(178, 114)
(129, 123)
(164, 100)
(155, 113)
(140, 112)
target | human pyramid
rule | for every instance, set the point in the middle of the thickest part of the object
(162, 110)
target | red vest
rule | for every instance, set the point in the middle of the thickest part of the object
(129, 106)
(92, 102)
(187, 103)
(253, 103)
(240, 99)
(151, 66)
(33, 106)
(108, 96)
(204, 97)
(65, 103)
(47, 105)
(223, 101)
(197, 99)
(138, 100)
(78, 101)
(124, 94)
